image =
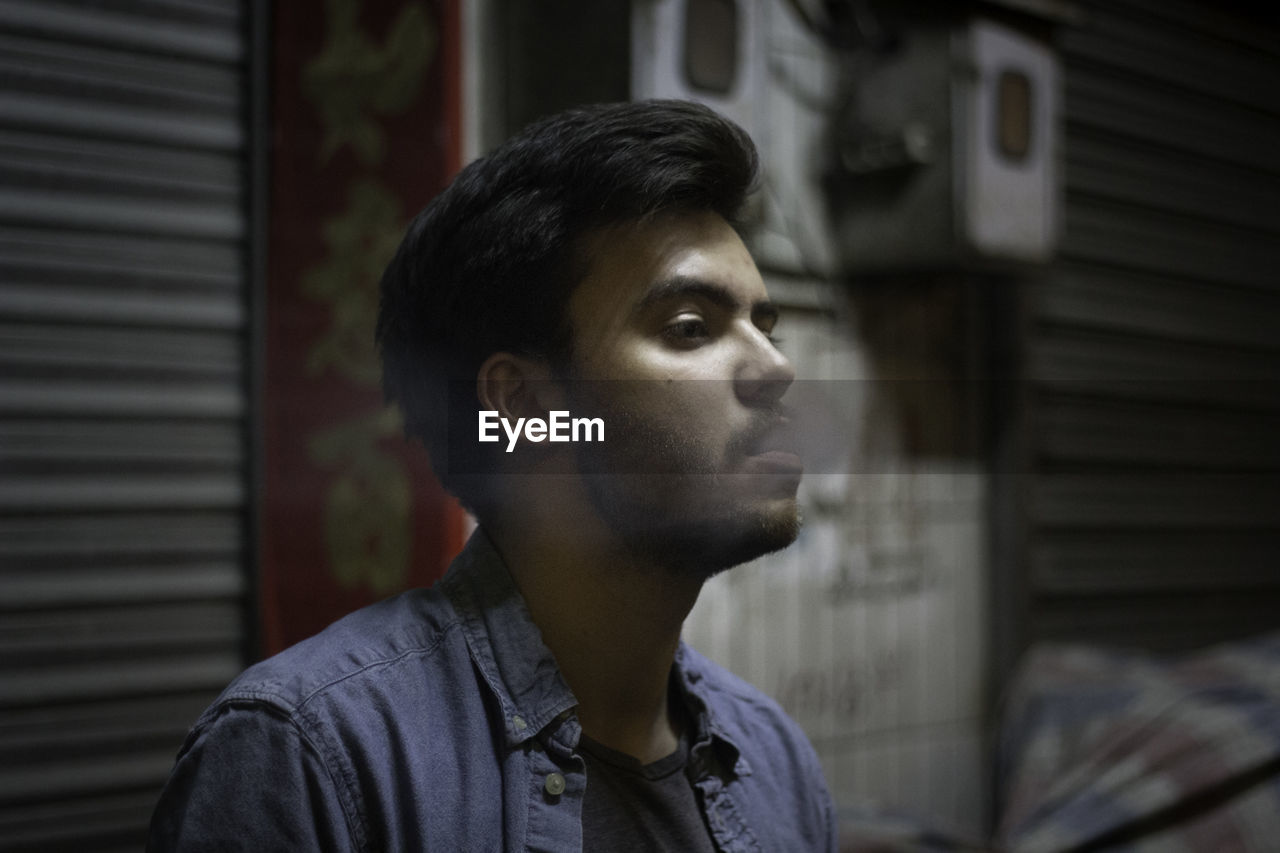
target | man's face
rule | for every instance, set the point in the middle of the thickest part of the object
(672, 346)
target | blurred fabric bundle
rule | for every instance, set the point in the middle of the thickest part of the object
(1103, 750)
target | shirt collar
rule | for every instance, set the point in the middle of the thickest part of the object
(508, 650)
(505, 644)
(710, 740)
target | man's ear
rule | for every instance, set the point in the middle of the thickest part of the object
(517, 386)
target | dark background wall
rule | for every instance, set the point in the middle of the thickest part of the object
(1139, 476)
(125, 322)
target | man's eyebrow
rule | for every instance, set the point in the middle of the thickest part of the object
(680, 286)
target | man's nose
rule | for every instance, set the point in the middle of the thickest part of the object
(764, 374)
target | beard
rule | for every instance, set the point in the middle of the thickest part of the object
(676, 502)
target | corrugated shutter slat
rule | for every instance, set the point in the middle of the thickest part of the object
(1153, 363)
(122, 395)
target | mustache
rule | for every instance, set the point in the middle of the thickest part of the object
(771, 428)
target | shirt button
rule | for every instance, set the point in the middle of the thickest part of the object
(554, 784)
(519, 723)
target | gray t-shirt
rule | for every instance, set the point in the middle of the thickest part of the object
(631, 807)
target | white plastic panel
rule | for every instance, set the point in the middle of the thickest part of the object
(1008, 202)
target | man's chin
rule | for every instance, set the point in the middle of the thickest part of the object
(697, 524)
(749, 534)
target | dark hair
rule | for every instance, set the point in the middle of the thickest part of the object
(490, 263)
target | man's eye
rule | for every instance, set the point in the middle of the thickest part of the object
(687, 331)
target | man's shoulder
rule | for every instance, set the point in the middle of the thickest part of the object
(377, 639)
(338, 737)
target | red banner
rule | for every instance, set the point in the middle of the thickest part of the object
(366, 124)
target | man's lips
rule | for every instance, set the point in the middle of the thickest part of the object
(775, 461)
(773, 451)
(768, 447)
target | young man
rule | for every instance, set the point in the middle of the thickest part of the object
(538, 697)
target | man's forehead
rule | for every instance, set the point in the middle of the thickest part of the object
(669, 256)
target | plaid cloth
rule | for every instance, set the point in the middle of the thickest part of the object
(1114, 751)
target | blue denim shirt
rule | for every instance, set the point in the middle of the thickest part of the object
(438, 720)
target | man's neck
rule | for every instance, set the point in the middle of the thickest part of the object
(613, 624)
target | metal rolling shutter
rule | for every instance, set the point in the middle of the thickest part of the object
(123, 349)
(1154, 344)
